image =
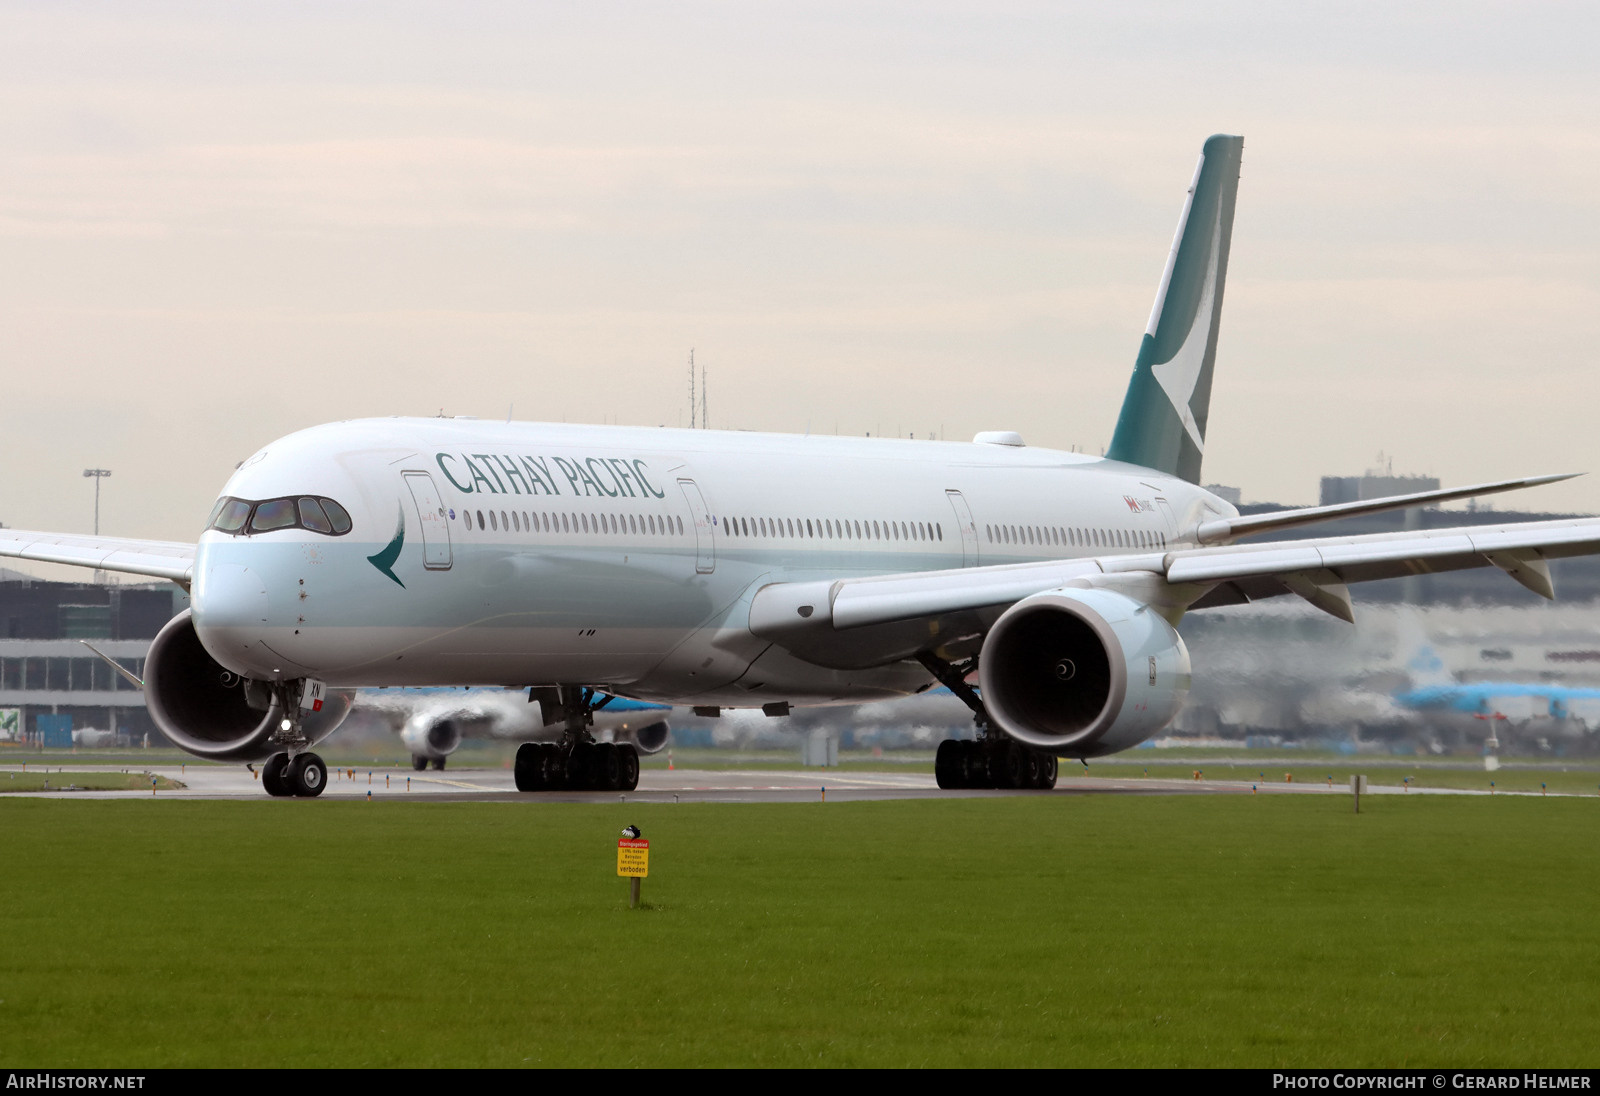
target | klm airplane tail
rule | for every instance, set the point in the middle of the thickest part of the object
(1163, 420)
(1422, 662)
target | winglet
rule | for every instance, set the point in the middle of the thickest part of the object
(1227, 529)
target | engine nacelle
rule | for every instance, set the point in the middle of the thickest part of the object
(431, 736)
(1082, 673)
(651, 739)
(214, 713)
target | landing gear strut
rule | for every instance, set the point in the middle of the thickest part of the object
(577, 762)
(995, 760)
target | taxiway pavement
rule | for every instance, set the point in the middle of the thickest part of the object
(657, 785)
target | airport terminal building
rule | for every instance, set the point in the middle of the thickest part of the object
(52, 687)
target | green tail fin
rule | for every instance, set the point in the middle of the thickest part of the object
(1163, 420)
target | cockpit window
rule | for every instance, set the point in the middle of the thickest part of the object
(243, 516)
(231, 515)
(312, 517)
(338, 515)
(276, 514)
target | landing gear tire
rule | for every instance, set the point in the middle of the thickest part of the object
(607, 767)
(1008, 766)
(418, 762)
(554, 766)
(528, 770)
(975, 771)
(628, 759)
(1049, 766)
(949, 766)
(273, 772)
(591, 766)
(1032, 769)
(580, 766)
(438, 764)
(307, 776)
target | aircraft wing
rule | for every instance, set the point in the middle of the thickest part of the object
(171, 560)
(1317, 569)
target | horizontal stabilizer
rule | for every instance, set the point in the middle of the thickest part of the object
(1227, 529)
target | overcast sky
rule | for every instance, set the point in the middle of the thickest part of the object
(221, 223)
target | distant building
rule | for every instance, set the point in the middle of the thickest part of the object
(1373, 485)
(1226, 494)
(46, 672)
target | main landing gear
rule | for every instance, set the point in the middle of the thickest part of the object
(995, 760)
(420, 763)
(585, 767)
(577, 763)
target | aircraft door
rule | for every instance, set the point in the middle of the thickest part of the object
(1167, 518)
(705, 557)
(431, 520)
(968, 528)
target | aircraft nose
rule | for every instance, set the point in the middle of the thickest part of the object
(230, 613)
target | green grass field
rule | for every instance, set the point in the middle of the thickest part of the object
(1059, 931)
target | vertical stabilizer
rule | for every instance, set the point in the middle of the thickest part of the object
(1163, 420)
(1422, 662)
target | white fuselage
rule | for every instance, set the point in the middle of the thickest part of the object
(536, 553)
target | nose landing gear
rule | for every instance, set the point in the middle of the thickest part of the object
(292, 772)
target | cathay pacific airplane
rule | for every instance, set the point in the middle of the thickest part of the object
(754, 570)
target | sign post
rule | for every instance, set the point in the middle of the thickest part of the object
(633, 862)
(1358, 784)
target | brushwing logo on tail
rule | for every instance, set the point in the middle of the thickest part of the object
(1180, 374)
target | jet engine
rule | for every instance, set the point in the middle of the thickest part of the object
(1082, 673)
(650, 739)
(214, 713)
(431, 735)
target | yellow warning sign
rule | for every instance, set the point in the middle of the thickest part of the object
(633, 857)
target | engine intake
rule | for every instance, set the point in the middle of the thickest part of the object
(430, 736)
(651, 739)
(207, 710)
(1083, 673)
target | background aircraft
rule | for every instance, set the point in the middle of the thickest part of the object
(1533, 709)
(433, 722)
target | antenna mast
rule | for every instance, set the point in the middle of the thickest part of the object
(691, 389)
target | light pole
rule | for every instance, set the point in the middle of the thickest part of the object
(96, 474)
